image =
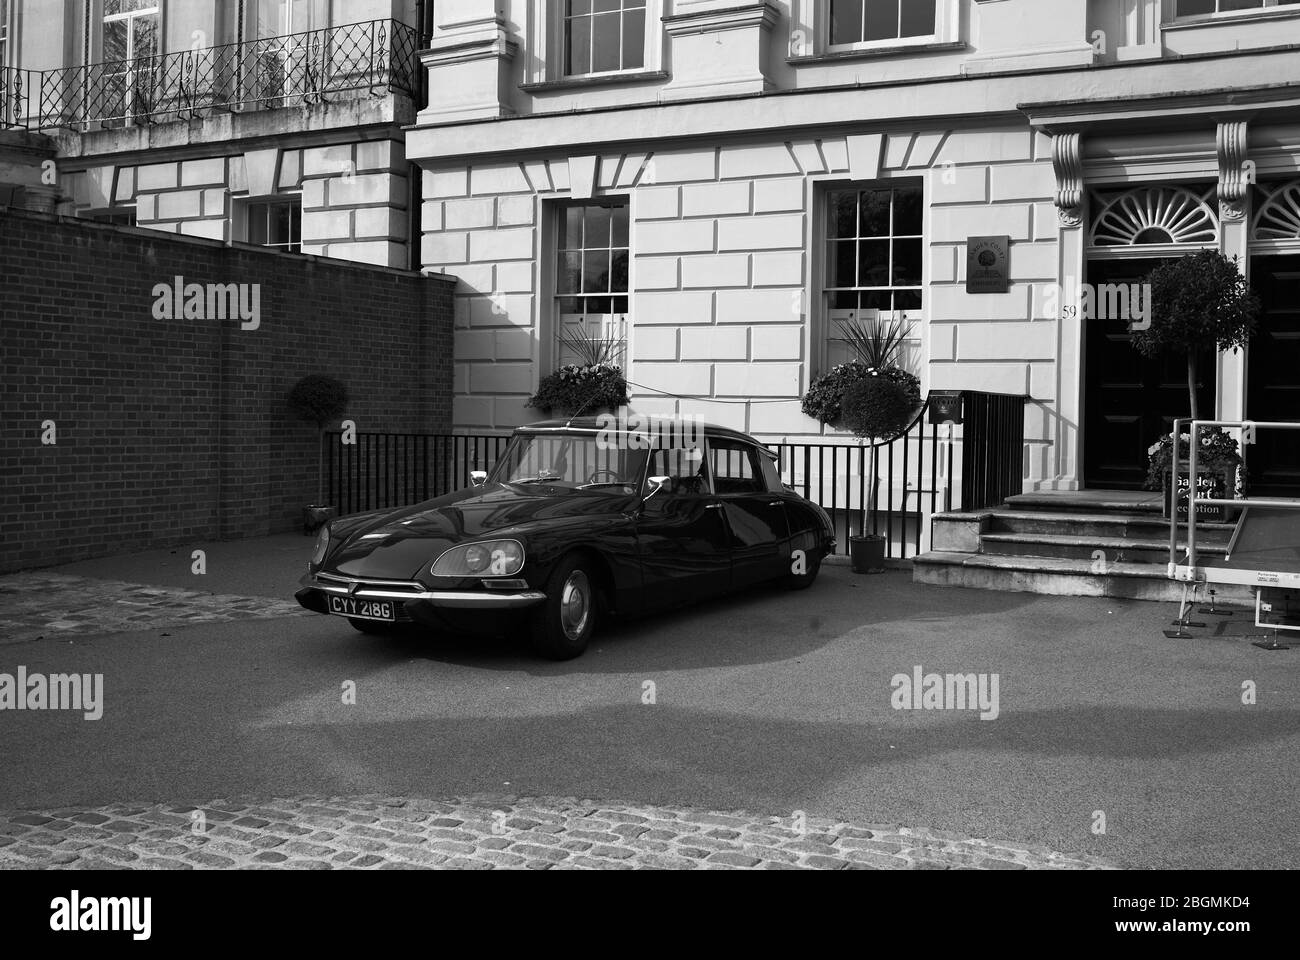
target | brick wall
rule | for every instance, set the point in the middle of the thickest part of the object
(172, 431)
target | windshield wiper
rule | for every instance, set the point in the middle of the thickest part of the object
(546, 478)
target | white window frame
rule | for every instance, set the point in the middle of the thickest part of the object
(812, 28)
(154, 10)
(4, 32)
(589, 325)
(824, 327)
(1268, 6)
(546, 35)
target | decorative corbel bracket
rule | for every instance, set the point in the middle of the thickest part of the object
(1234, 182)
(1067, 163)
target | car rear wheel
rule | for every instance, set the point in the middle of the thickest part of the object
(371, 626)
(562, 627)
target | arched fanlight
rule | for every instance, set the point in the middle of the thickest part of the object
(1154, 215)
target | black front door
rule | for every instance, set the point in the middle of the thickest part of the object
(1130, 401)
(1273, 384)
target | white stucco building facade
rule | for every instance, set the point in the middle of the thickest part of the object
(711, 153)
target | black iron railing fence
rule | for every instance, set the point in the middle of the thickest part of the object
(992, 465)
(383, 471)
(916, 471)
(377, 56)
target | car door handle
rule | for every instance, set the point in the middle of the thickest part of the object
(777, 503)
(714, 506)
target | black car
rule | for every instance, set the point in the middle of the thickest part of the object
(577, 521)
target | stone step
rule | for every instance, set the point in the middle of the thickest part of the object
(1085, 547)
(1134, 526)
(1089, 501)
(1059, 576)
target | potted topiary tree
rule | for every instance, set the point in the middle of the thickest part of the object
(320, 400)
(877, 409)
(593, 385)
(1198, 302)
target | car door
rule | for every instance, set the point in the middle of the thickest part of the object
(682, 535)
(755, 517)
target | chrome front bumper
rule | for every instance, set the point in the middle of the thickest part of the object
(410, 592)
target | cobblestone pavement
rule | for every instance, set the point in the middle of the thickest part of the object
(395, 833)
(36, 606)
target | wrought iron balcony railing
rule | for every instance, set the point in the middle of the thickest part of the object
(341, 62)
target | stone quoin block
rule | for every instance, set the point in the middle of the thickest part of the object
(778, 196)
(516, 211)
(681, 166)
(709, 272)
(655, 273)
(203, 173)
(688, 236)
(657, 203)
(180, 205)
(498, 178)
(761, 233)
(778, 269)
(757, 379)
(469, 214)
(1023, 181)
(672, 308)
(712, 199)
(511, 244)
(654, 343)
(758, 161)
(158, 176)
(979, 220)
(759, 306)
(328, 161)
(770, 342)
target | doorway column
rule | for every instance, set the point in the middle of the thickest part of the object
(1235, 179)
(1071, 209)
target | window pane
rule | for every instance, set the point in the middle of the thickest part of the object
(620, 227)
(882, 20)
(597, 227)
(846, 21)
(843, 258)
(907, 300)
(873, 263)
(295, 222)
(873, 220)
(257, 223)
(908, 212)
(918, 18)
(1227, 5)
(606, 44)
(844, 215)
(634, 40)
(876, 300)
(595, 271)
(146, 36)
(907, 263)
(1192, 8)
(115, 40)
(578, 60)
(279, 226)
(572, 239)
(570, 278)
(618, 276)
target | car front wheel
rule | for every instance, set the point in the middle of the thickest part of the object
(562, 627)
(802, 581)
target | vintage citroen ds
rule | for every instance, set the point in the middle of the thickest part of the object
(577, 521)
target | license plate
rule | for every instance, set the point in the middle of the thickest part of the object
(385, 610)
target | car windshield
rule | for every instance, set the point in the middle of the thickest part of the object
(570, 461)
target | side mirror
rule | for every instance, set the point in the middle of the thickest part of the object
(657, 484)
(478, 477)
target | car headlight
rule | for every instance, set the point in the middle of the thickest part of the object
(492, 558)
(322, 545)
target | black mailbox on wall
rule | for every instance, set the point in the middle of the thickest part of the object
(945, 406)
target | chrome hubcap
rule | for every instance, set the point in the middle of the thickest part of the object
(575, 604)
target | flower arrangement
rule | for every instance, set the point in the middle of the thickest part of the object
(824, 400)
(582, 388)
(1218, 452)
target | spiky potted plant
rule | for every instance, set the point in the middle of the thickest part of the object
(877, 347)
(320, 400)
(593, 385)
(1199, 302)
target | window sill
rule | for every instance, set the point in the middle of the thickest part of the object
(904, 50)
(1235, 17)
(599, 80)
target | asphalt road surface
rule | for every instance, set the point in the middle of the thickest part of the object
(770, 702)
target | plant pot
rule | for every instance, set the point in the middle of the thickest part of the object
(314, 517)
(867, 553)
(568, 413)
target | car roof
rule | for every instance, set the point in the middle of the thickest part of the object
(642, 422)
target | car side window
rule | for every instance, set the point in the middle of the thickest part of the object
(685, 469)
(771, 472)
(735, 467)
